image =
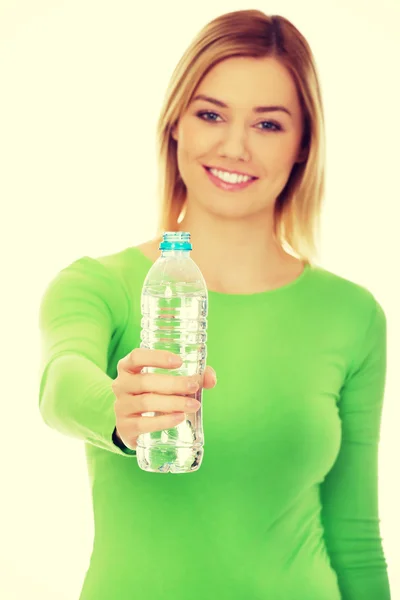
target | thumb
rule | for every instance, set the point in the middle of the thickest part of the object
(210, 378)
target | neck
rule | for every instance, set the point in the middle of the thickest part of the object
(236, 252)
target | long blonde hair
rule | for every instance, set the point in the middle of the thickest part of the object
(251, 33)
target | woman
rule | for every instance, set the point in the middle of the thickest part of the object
(285, 504)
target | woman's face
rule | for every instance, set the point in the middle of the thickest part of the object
(235, 137)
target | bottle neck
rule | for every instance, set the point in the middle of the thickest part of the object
(173, 253)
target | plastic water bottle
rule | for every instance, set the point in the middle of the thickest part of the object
(174, 306)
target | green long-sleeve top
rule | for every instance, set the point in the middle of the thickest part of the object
(285, 503)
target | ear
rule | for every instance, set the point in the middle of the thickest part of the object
(174, 132)
(302, 155)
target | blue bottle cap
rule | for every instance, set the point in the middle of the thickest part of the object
(176, 240)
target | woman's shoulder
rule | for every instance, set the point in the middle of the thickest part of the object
(341, 293)
(149, 249)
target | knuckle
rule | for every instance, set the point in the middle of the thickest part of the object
(145, 401)
(134, 355)
(142, 385)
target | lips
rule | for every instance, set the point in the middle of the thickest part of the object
(227, 171)
(226, 185)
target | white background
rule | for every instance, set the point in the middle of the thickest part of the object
(82, 84)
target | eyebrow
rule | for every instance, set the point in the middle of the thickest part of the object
(256, 109)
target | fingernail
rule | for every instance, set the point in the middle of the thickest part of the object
(192, 404)
(214, 376)
(174, 360)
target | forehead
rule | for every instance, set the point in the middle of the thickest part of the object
(244, 82)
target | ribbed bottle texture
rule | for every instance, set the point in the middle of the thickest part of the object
(174, 306)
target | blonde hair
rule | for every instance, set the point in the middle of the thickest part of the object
(251, 33)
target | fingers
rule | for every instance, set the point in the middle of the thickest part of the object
(143, 357)
(158, 383)
(151, 402)
(167, 395)
(163, 383)
(134, 362)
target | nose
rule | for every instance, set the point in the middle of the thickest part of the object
(234, 144)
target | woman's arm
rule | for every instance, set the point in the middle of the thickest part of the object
(349, 493)
(80, 311)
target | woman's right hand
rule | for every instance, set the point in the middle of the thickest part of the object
(138, 393)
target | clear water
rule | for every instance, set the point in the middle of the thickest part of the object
(175, 319)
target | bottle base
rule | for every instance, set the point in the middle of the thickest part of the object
(169, 459)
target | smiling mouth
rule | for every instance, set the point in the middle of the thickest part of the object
(234, 173)
(226, 185)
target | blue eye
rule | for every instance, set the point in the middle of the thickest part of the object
(202, 113)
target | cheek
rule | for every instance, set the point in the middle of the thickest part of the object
(194, 141)
(279, 155)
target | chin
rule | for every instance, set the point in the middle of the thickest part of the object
(231, 209)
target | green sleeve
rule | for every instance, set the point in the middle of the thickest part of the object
(349, 493)
(81, 311)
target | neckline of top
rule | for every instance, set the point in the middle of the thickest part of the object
(254, 295)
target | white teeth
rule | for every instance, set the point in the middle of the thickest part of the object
(230, 177)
